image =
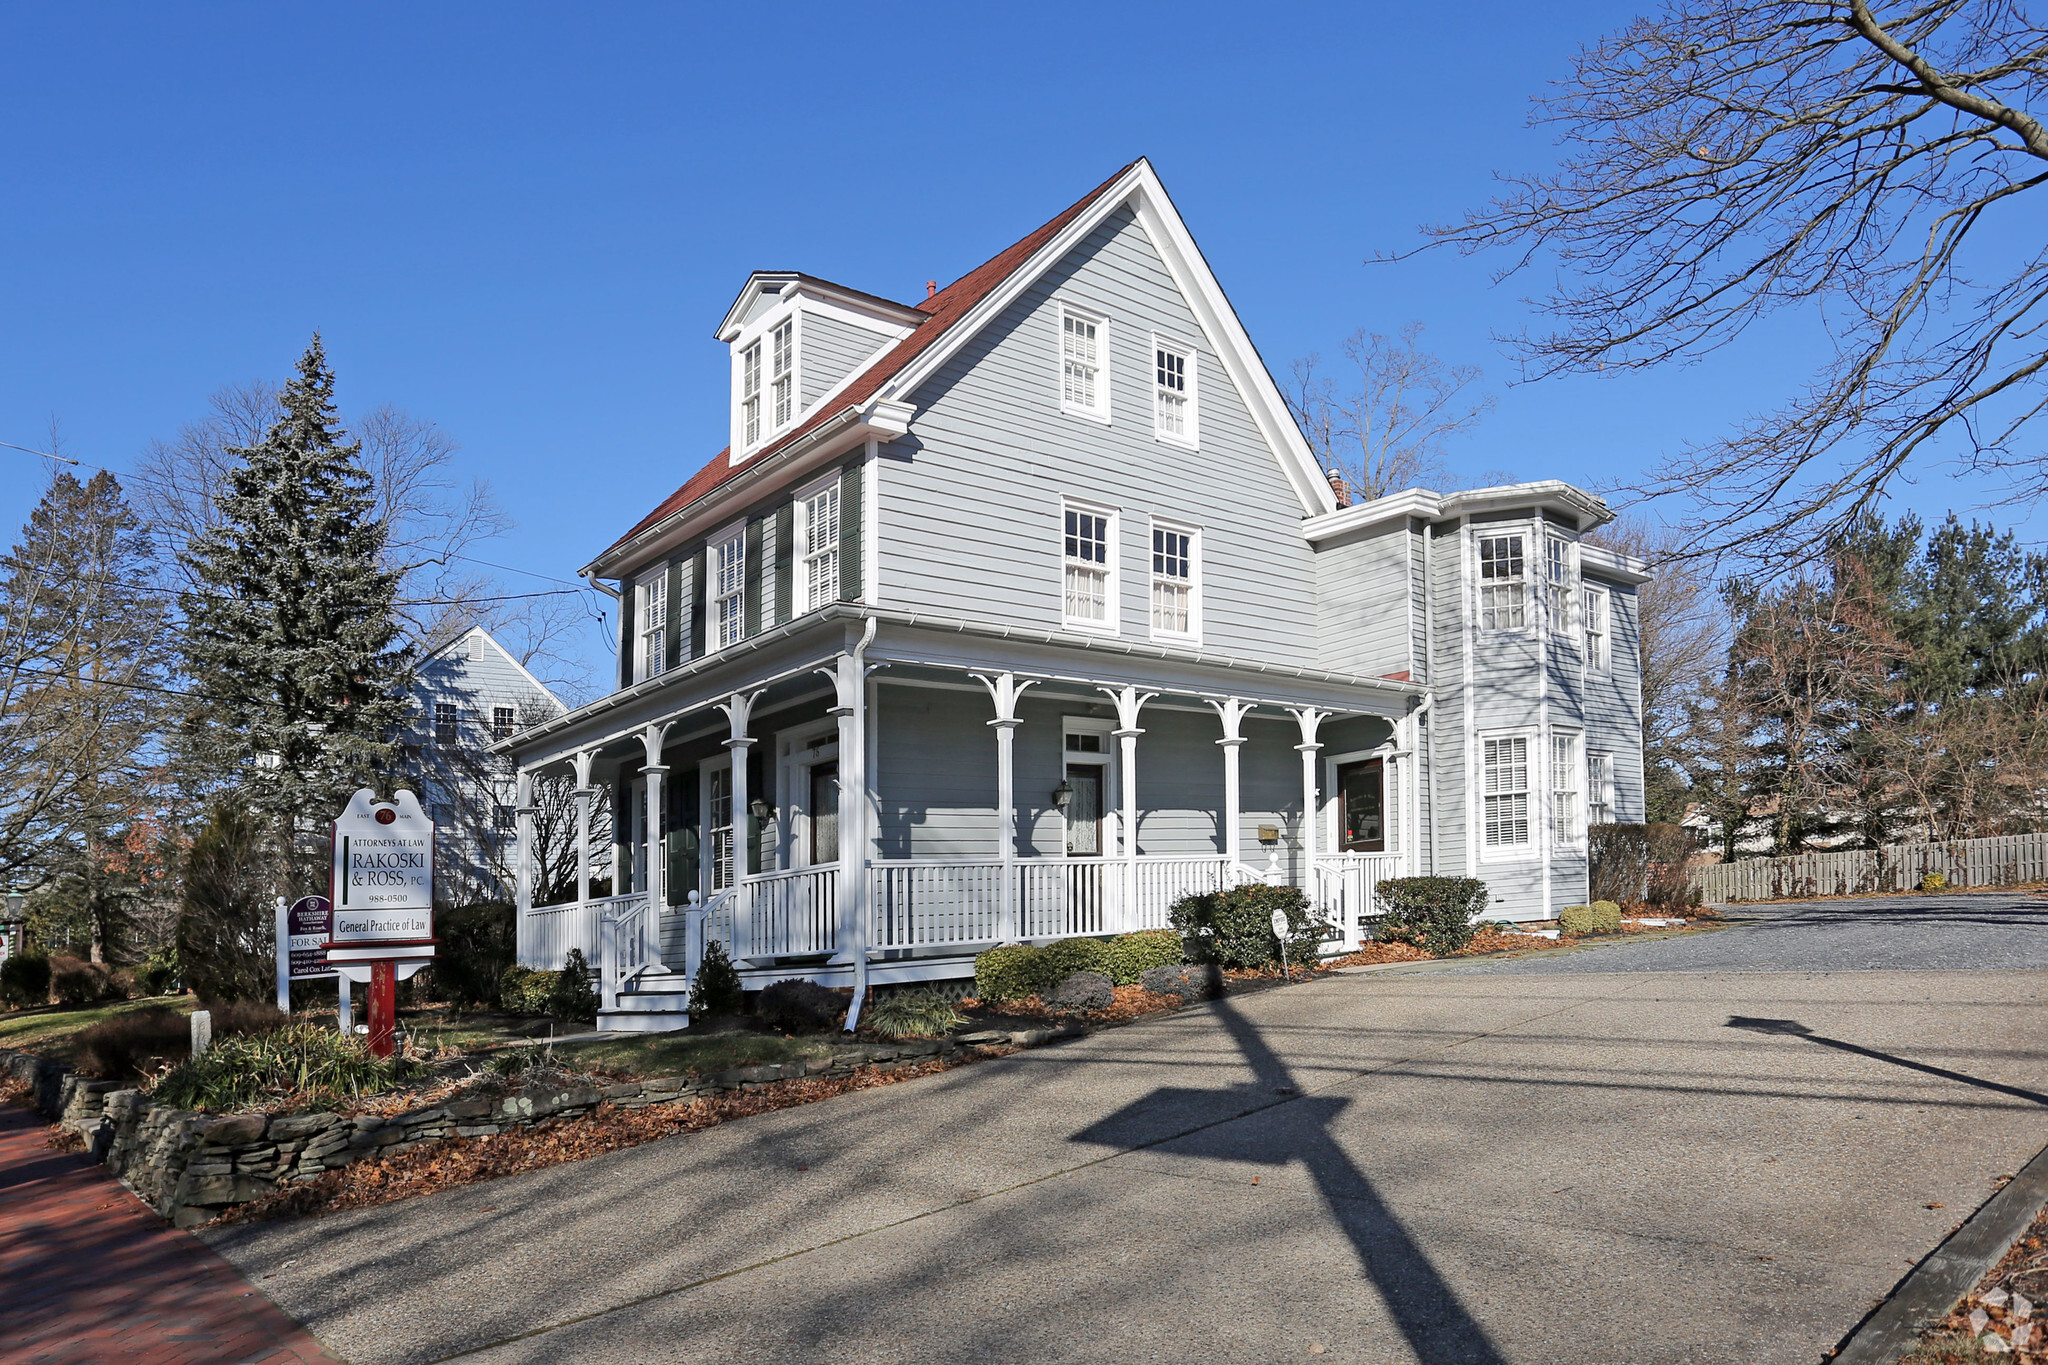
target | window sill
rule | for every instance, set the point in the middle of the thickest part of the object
(1187, 443)
(1089, 627)
(1092, 414)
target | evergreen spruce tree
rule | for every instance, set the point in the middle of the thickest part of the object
(292, 645)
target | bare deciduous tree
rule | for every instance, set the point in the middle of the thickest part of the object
(1384, 427)
(1726, 159)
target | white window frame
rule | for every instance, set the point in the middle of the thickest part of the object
(1100, 410)
(726, 630)
(1193, 581)
(1483, 585)
(1112, 580)
(650, 623)
(1530, 845)
(1599, 789)
(1567, 789)
(782, 384)
(1190, 434)
(1597, 607)
(510, 716)
(808, 557)
(1560, 582)
(749, 430)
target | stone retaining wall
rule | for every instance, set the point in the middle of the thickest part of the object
(190, 1167)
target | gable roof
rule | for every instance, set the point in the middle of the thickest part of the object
(464, 637)
(979, 295)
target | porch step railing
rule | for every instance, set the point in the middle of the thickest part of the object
(627, 943)
(1344, 889)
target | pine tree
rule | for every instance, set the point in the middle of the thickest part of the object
(292, 645)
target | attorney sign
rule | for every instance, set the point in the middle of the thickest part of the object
(383, 871)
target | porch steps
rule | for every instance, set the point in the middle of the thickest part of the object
(654, 1002)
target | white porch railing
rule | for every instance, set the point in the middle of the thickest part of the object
(552, 930)
(785, 914)
(627, 943)
(921, 904)
(1344, 889)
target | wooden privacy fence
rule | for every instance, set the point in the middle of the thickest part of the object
(2000, 861)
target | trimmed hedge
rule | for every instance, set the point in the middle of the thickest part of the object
(1013, 972)
(1019, 971)
(74, 982)
(1234, 928)
(1601, 917)
(1133, 955)
(1435, 914)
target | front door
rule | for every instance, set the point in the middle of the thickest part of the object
(718, 827)
(1084, 810)
(823, 813)
(1362, 788)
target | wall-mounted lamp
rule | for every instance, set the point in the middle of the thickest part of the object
(1062, 794)
(761, 810)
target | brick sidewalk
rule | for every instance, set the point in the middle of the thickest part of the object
(88, 1275)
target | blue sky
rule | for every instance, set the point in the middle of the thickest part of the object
(523, 221)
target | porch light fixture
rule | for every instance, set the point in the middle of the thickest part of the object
(1062, 794)
(760, 810)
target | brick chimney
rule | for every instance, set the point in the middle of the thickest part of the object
(1339, 487)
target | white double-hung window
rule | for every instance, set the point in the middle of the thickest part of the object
(1173, 392)
(1089, 580)
(1595, 608)
(1175, 611)
(650, 610)
(1503, 583)
(819, 570)
(750, 394)
(1505, 783)
(729, 588)
(1564, 790)
(783, 358)
(1084, 368)
(1600, 789)
(1557, 583)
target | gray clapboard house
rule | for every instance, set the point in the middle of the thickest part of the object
(1021, 611)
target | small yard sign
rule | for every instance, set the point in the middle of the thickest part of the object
(308, 924)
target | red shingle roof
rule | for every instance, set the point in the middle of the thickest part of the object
(945, 308)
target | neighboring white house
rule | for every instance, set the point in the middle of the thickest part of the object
(468, 695)
(1040, 573)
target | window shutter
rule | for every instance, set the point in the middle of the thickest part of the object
(625, 633)
(785, 562)
(750, 607)
(757, 786)
(672, 637)
(851, 522)
(698, 588)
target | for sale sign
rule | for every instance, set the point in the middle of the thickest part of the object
(308, 925)
(383, 871)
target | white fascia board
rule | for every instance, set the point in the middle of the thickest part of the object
(1410, 502)
(1552, 493)
(867, 309)
(1614, 564)
(729, 327)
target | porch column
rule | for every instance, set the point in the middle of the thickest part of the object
(523, 832)
(654, 770)
(739, 711)
(1128, 703)
(1232, 714)
(1004, 690)
(849, 678)
(583, 795)
(1309, 718)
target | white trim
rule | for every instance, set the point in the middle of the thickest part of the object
(714, 627)
(1530, 582)
(797, 754)
(1112, 588)
(1552, 494)
(1613, 564)
(1392, 770)
(1536, 792)
(1112, 781)
(645, 585)
(1190, 437)
(1104, 370)
(1576, 842)
(799, 524)
(865, 310)
(504, 654)
(870, 475)
(1587, 592)
(1193, 634)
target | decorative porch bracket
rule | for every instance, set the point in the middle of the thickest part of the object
(849, 678)
(583, 794)
(739, 714)
(1310, 719)
(1232, 713)
(1005, 691)
(654, 770)
(1128, 703)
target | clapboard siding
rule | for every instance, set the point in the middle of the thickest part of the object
(1363, 601)
(970, 499)
(831, 349)
(1450, 690)
(1611, 707)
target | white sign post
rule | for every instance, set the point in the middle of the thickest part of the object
(383, 897)
(1280, 932)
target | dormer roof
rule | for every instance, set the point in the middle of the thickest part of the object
(764, 288)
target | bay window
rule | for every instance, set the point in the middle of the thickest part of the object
(1505, 785)
(1503, 583)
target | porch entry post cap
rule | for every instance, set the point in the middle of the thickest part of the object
(1306, 748)
(1131, 733)
(1005, 722)
(646, 768)
(1232, 741)
(741, 742)
(526, 810)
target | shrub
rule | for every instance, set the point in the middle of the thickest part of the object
(74, 982)
(522, 990)
(1601, 917)
(1934, 881)
(914, 1014)
(801, 1007)
(572, 996)
(1620, 863)
(478, 944)
(1058, 961)
(717, 987)
(129, 1045)
(1009, 973)
(160, 972)
(1670, 850)
(25, 980)
(1433, 913)
(1132, 955)
(1234, 928)
(300, 1062)
(225, 920)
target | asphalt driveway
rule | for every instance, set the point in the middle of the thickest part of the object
(1694, 1149)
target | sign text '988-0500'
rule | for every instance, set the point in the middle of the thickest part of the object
(383, 871)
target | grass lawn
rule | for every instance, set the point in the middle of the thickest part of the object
(48, 1031)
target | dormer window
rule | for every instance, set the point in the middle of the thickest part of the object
(750, 394)
(785, 373)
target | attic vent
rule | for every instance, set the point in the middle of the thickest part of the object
(476, 648)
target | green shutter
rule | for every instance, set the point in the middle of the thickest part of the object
(756, 788)
(751, 604)
(672, 641)
(625, 633)
(785, 562)
(698, 589)
(850, 539)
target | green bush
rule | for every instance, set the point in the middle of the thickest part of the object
(478, 944)
(25, 981)
(524, 991)
(1133, 955)
(160, 972)
(301, 1062)
(1934, 881)
(1060, 960)
(1234, 928)
(717, 987)
(74, 982)
(573, 997)
(1435, 914)
(914, 1014)
(1015, 972)
(1601, 917)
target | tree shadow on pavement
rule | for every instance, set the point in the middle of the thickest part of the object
(1792, 1028)
(1429, 1313)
